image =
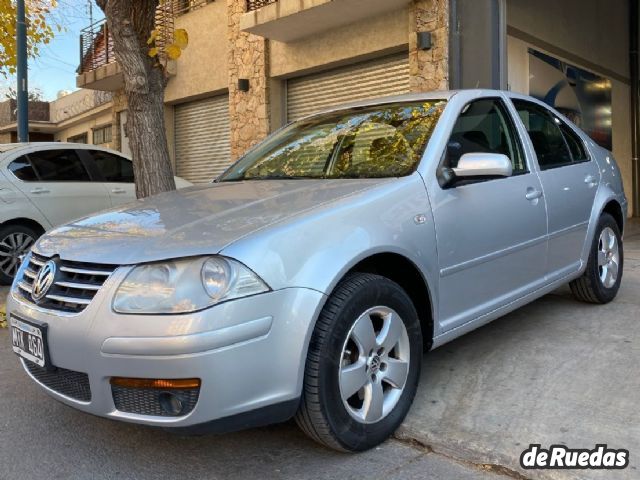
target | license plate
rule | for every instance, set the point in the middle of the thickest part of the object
(29, 341)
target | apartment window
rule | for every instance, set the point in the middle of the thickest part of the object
(102, 135)
(82, 138)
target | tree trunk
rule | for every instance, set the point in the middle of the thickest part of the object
(130, 24)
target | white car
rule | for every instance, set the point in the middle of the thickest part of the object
(43, 185)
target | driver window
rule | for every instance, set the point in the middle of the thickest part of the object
(484, 126)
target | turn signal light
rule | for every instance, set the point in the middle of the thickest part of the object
(180, 383)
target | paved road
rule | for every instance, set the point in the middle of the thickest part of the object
(43, 439)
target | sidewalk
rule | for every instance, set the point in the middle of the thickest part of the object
(554, 372)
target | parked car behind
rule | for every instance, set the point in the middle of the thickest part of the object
(43, 185)
(308, 280)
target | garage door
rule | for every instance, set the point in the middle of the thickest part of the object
(384, 76)
(202, 142)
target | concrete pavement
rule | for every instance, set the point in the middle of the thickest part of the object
(554, 372)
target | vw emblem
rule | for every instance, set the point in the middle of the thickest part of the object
(44, 280)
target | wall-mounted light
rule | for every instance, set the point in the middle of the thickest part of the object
(424, 41)
(243, 84)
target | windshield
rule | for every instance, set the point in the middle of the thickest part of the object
(371, 142)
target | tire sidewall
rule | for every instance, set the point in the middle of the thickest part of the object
(352, 434)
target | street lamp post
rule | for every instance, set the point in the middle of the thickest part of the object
(22, 90)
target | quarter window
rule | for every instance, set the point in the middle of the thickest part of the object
(113, 167)
(23, 170)
(544, 131)
(576, 146)
(58, 166)
(485, 126)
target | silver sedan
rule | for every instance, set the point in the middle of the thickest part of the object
(309, 278)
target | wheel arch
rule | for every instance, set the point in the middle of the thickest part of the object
(613, 208)
(24, 221)
(404, 272)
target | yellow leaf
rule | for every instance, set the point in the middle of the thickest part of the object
(152, 38)
(173, 51)
(181, 38)
(153, 52)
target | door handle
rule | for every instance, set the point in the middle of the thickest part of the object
(591, 181)
(533, 194)
(38, 191)
(118, 190)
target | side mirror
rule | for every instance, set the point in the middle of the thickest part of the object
(483, 165)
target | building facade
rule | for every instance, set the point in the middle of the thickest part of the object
(254, 65)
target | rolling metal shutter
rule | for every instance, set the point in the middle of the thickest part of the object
(202, 139)
(377, 78)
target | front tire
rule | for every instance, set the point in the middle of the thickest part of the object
(363, 364)
(600, 281)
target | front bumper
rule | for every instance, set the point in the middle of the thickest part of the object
(249, 353)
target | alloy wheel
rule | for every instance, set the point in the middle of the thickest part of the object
(608, 257)
(374, 364)
(12, 248)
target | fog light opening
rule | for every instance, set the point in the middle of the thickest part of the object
(181, 384)
(170, 403)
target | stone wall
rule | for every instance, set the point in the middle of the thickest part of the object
(429, 69)
(77, 103)
(6, 114)
(248, 56)
(38, 111)
(119, 104)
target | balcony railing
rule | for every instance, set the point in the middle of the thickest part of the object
(183, 6)
(96, 47)
(256, 4)
(96, 44)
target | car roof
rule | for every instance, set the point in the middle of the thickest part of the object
(372, 102)
(412, 97)
(5, 147)
(34, 146)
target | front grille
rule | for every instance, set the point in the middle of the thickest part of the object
(66, 382)
(75, 286)
(147, 401)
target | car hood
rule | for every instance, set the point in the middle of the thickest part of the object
(192, 221)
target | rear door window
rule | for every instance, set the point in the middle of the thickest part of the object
(113, 167)
(544, 131)
(59, 166)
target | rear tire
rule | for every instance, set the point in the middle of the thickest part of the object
(600, 281)
(385, 360)
(15, 240)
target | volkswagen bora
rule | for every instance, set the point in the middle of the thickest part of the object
(309, 278)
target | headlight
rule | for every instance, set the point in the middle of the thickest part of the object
(181, 286)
